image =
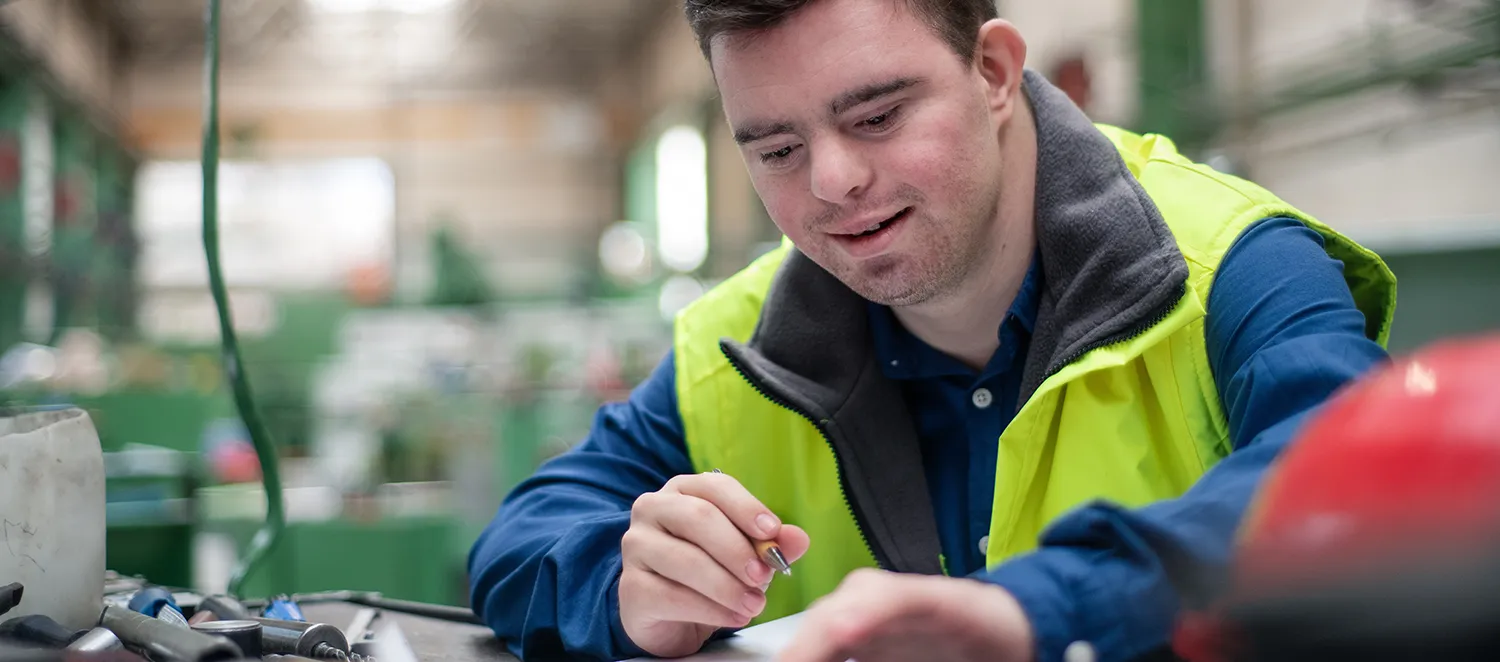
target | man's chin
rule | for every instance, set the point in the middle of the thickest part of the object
(891, 290)
(893, 298)
(884, 280)
(895, 284)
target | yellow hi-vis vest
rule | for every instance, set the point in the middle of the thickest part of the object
(1132, 423)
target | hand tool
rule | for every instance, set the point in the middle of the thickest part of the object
(97, 640)
(157, 602)
(10, 596)
(375, 599)
(440, 612)
(244, 633)
(301, 638)
(219, 608)
(50, 655)
(166, 642)
(283, 608)
(359, 632)
(38, 629)
(349, 657)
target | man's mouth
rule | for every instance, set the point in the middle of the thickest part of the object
(875, 239)
(883, 224)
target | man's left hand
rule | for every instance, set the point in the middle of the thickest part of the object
(877, 616)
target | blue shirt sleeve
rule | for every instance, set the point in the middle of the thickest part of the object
(1282, 333)
(544, 573)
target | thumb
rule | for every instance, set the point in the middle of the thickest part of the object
(793, 542)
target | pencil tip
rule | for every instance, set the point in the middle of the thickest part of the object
(779, 562)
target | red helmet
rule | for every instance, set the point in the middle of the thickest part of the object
(1381, 521)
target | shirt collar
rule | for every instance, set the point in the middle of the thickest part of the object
(904, 356)
(1024, 308)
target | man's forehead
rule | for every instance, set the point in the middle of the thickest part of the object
(818, 55)
(813, 24)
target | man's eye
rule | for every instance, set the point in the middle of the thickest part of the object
(778, 155)
(880, 121)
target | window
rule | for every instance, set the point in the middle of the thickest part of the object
(682, 198)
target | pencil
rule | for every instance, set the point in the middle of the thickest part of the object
(770, 553)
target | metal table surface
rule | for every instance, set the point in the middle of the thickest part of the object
(431, 639)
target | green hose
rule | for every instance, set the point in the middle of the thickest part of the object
(265, 449)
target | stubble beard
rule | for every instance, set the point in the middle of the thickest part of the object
(939, 267)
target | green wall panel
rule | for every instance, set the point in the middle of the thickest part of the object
(13, 272)
(75, 220)
(1173, 69)
(1445, 294)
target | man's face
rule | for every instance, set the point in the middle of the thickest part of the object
(871, 143)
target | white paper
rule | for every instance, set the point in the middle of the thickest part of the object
(756, 644)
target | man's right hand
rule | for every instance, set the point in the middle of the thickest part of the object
(689, 567)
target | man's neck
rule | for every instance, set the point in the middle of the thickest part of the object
(965, 323)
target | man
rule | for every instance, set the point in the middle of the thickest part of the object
(1034, 366)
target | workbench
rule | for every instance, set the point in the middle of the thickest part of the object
(436, 640)
(431, 639)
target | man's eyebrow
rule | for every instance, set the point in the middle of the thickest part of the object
(749, 134)
(753, 132)
(869, 93)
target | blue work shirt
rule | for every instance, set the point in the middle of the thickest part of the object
(959, 415)
(1282, 333)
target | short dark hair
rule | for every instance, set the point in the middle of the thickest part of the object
(957, 22)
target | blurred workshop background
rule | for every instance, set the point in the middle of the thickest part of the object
(452, 228)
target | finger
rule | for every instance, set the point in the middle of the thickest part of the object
(839, 624)
(688, 565)
(702, 524)
(825, 635)
(793, 542)
(671, 602)
(723, 491)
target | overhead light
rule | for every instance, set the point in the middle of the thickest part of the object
(682, 198)
(676, 293)
(624, 254)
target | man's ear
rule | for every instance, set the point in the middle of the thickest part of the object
(1001, 58)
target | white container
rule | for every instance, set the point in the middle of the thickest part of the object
(52, 515)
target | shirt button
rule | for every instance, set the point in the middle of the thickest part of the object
(1079, 651)
(984, 545)
(983, 398)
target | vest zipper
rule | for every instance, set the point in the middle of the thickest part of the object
(1134, 331)
(821, 424)
(838, 463)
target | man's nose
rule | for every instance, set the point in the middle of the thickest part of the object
(838, 172)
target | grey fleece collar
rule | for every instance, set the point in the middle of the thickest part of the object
(1111, 269)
